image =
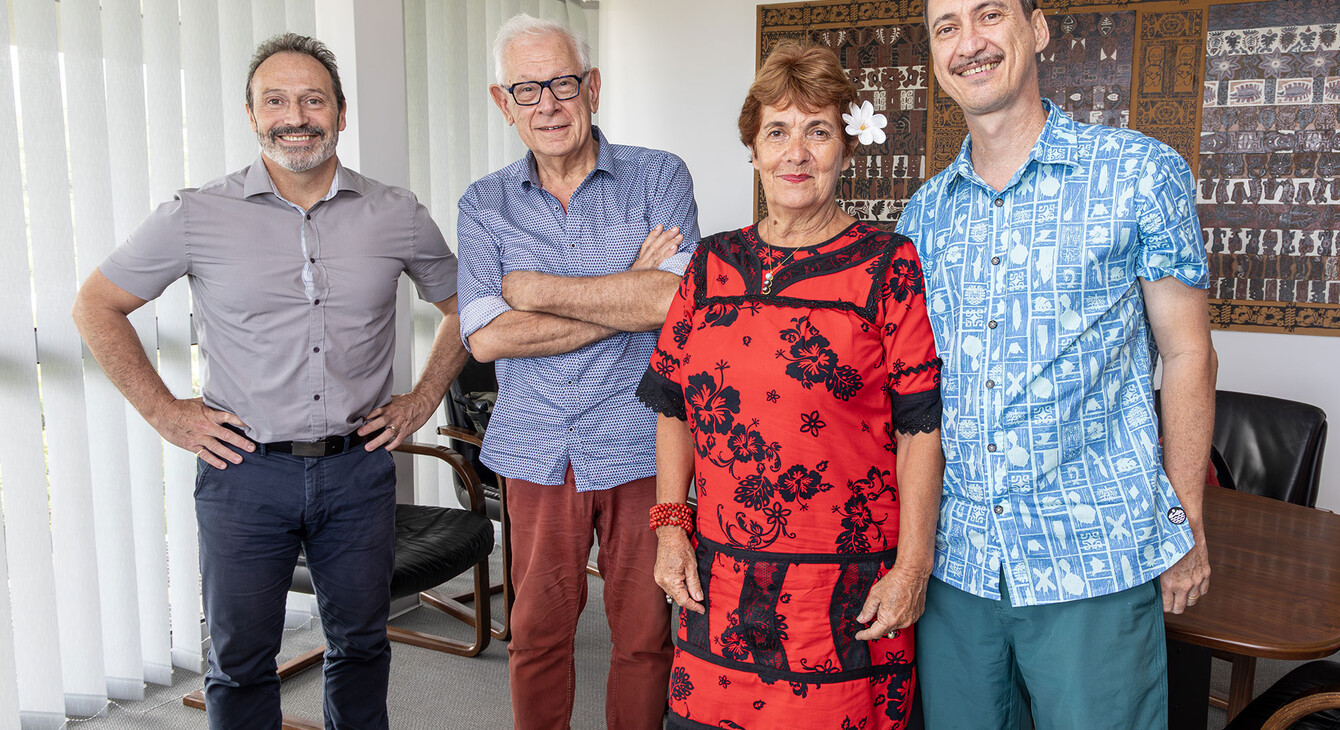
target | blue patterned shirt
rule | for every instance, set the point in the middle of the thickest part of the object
(1054, 472)
(577, 408)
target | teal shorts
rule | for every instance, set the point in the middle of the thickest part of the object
(1094, 663)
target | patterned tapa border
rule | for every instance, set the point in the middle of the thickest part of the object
(1170, 34)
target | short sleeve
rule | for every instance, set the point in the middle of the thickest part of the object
(479, 282)
(432, 266)
(673, 205)
(912, 369)
(1170, 237)
(662, 386)
(153, 256)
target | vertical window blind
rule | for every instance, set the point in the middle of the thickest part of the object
(107, 107)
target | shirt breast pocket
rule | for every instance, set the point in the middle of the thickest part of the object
(613, 250)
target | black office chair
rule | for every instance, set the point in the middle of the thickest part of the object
(469, 403)
(1271, 447)
(1308, 698)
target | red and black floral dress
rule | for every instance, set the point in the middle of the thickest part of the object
(793, 398)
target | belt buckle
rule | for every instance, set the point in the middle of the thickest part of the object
(309, 448)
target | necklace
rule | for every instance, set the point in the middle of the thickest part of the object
(767, 275)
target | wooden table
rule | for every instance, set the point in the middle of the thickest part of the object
(1274, 588)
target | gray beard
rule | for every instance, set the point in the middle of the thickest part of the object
(298, 160)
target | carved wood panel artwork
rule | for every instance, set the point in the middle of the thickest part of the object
(1247, 92)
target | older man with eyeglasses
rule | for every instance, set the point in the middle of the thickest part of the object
(570, 257)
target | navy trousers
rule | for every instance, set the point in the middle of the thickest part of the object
(253, 518)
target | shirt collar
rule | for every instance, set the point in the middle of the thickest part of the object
(258, 181)
(604, 160)
(1058, 144)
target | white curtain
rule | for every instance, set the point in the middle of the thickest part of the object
(106, 108)
(456, 134)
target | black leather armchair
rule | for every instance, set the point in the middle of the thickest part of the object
(1307, 698)
(1271, 447)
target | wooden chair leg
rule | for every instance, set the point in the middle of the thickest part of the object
(478, 618)
(501, 630)
(196, 700)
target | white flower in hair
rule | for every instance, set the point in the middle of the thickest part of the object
(864, 124)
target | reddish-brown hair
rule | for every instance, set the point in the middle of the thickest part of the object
(797, 74)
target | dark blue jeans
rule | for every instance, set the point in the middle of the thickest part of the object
(253, 518)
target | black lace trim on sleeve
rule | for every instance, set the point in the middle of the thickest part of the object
(916, 412)
(663, 395)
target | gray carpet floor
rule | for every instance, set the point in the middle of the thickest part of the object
(434, 691)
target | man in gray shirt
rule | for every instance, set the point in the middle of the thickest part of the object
(293, 264)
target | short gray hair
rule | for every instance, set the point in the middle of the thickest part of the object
(522, 24)
(301, 44)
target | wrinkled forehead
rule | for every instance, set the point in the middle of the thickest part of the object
(539, 57)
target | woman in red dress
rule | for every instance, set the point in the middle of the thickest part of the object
(795, 362)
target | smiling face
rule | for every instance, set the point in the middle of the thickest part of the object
(551, 129)
(295, 115)
(799, 156)
(985, 52)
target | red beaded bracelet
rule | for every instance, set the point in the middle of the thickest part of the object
(672, 513)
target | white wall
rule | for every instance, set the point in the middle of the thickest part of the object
(707, 47)
(674, 75)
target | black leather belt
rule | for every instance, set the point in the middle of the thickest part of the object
(328, 446)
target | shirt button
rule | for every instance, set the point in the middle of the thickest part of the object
(991, 447)
(316, 349)
(990, 383)
(571, 429)
(995, 261)
(316, 397)
(991, 324)
(998, 509)
(315, 302)
(312, 260)
(1000, 202)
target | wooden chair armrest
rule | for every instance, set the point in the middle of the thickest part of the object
(461, 434)
(458, 464)
(1325, 697)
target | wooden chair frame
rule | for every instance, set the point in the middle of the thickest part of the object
(480, 617)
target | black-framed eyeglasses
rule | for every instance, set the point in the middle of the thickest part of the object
(527, 93)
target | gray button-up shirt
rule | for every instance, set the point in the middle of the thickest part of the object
(294, 311)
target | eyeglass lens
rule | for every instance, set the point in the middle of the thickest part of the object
(563, 88)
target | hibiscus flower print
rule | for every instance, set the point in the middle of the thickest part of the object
(745, 443)
(905, 279)
(714, 407)
(811, 361)
(800, 483)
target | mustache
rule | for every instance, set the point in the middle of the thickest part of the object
(278, 132)
(979, 59)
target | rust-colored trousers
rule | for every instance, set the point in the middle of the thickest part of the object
(552, 529)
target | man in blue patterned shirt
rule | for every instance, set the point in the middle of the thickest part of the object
(1061, 259)
(570, 257)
